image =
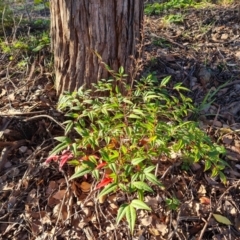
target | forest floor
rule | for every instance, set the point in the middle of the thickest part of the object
(199, 47)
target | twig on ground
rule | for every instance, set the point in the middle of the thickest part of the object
(20, 113)
(45, 116)
(205, 226)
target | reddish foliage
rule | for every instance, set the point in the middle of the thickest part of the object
(64, 157)
(52, 158)
(101, 165)
(105, 181)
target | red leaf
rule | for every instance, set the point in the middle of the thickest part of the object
(64, 158)
(52, 158)
(101, 165)
(104, 182)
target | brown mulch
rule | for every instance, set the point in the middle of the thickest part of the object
(37, 202)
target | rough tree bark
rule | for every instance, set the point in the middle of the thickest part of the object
(79, 27)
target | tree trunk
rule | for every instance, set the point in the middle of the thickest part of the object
(110, 28)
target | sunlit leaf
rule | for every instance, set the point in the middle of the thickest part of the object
(121, 70)
(134, 116)
(131, 217)
(96, 174)
(59, 148)
(152, 178)
(179, 87)
(108, 189)
(63, 139)
(113, 167)
(208, 165)
(165, 81)
(68, 126)
(142, 186)
(138, 204)
(149, 169)
(221, 219)
(138, 111)
(81, 172)
(138, 160)
(121, 212)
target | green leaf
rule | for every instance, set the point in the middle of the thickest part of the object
(208, 165)
(165, 81)
(63, 139)
(122, 187)
(109, 188)
(131, 217)
(222, 177)
(93, 159)
(150, 177)
(134, 116)
(68, 128)
(138, 111)
(221, 219)
(59, 148)
(38, 48)
(74, 147)
(121, 70)
(125, 100)
(142, 186)
(138, 204)
(121, 212)
(95, 174)
(136, 161)
(149, 169)
(179, 87)
(73, 162)
(113, 167)
(118, 116)
(89, 164)
(80, 172)
(135, 176)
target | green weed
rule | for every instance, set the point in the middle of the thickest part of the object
(25, 45)
(172, 203)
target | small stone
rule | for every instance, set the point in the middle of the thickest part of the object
(237, 166)
(23, 149)
(237, 54)
(7, 164)
(224, 36)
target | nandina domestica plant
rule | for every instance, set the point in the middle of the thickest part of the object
(118, 138)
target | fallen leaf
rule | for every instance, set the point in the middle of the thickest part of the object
(205, 200)
(221, 219)
(60, 194)
(85, 186)
(146, 220)
(52, 186)
(154, 231)
(163, 228)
